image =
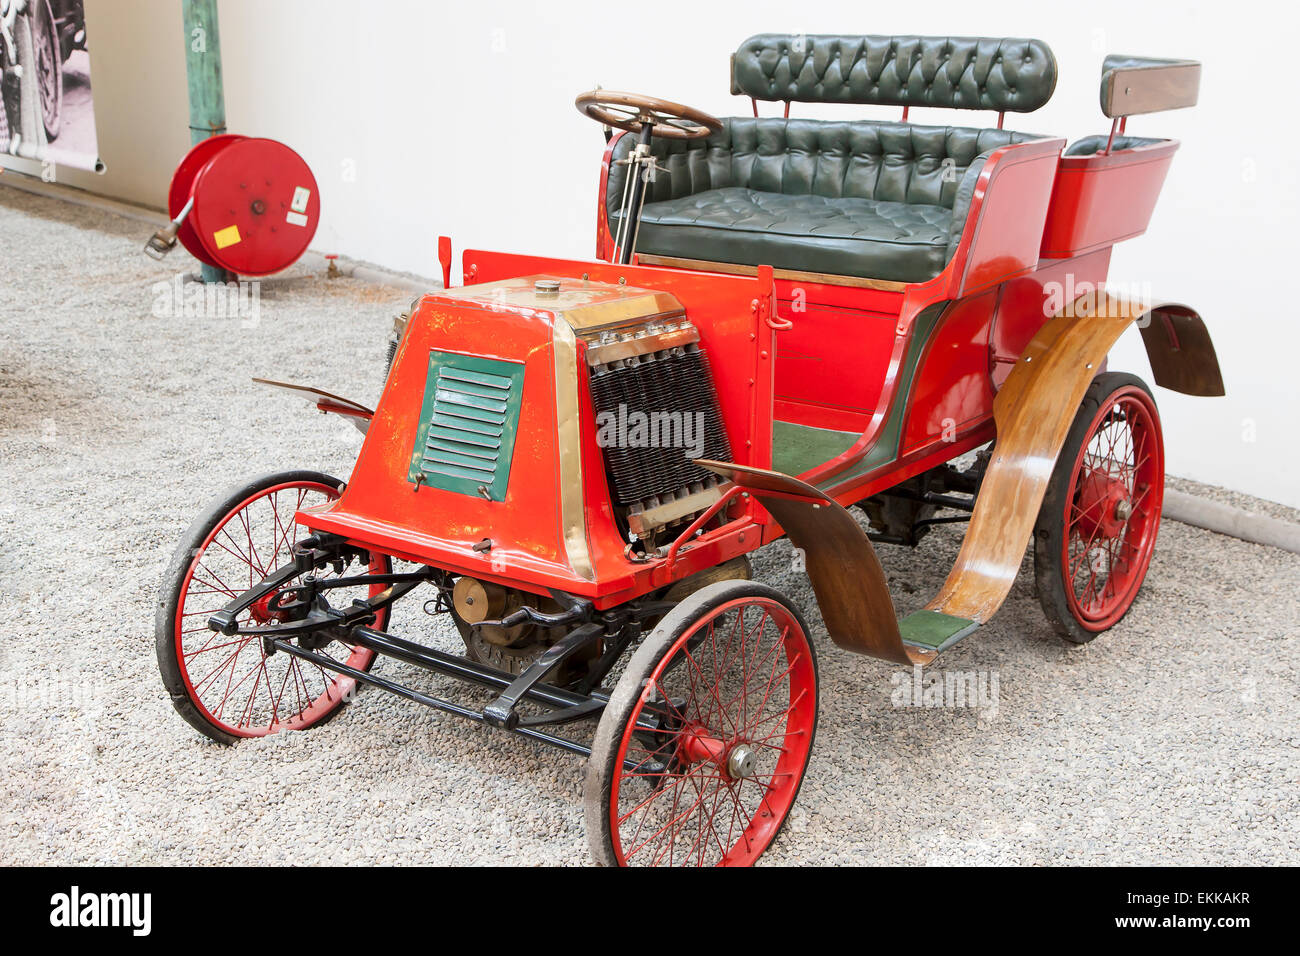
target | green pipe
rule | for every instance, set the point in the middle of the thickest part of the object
(203, 76)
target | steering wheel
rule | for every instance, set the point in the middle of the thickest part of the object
(633, 112)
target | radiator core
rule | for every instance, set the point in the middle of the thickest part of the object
(670, 395)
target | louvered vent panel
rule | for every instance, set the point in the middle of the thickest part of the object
(467, 424)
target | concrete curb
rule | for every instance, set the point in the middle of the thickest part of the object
(1178, 506)
(1231, 520)
(79, 197)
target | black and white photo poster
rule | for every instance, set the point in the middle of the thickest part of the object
(49, 113)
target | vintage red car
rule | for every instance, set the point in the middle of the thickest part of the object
(785, 317)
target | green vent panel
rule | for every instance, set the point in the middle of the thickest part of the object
(467, 425)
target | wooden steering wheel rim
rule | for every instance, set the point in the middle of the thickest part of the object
(659, 113)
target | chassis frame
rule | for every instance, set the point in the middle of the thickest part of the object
(305, 616)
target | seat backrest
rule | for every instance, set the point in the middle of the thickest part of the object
(855, 159)
(979, 73)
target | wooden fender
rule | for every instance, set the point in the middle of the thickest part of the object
(1033, 413)
(842, 566)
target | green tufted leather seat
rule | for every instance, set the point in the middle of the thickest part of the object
(863, 198)
(859, 198)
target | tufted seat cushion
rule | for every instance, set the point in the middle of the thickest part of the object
(859, 198)
(908, 242)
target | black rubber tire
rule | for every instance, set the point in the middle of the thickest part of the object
(169, 596)
(609, 732)
(45, 33)
(1049, 577)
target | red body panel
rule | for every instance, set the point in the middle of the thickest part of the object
(953, 392)
(1103, 198)
(428, 524)
(1005, 227)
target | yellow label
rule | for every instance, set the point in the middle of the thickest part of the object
(226, 237)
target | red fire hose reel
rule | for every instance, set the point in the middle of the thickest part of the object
(240, 203)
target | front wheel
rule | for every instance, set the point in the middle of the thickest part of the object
(1096, 530)
(229, 687)
(703, 745)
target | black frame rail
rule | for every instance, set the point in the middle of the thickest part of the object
(437, 661)
(308, 622)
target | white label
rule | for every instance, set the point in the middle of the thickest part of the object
(300, 197)
(295, 219)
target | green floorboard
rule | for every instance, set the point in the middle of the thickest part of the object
(796, 448)
(934, 630)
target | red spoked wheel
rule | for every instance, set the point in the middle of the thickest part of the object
(702, 747)
(227, 687)
(1097, 528)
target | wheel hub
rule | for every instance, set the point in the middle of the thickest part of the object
(738, 760)
(1104, 505)
(261, 610)
(741, 762)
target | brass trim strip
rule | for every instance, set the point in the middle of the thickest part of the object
(643, 522)
(601, 353)
(737, 269)
(568, 438)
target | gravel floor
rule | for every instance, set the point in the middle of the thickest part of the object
(1172, 739)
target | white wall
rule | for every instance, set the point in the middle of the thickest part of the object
(426, 118)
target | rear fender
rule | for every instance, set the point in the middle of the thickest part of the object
(1180, 350)
(1033, 412)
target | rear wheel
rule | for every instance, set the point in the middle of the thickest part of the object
(226, 687)
(701, 750)
(1097, 527)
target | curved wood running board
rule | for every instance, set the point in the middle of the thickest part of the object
(1033, 412)
(842, 566)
